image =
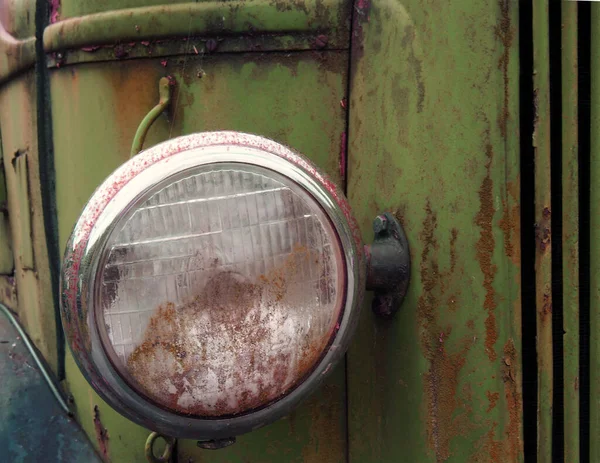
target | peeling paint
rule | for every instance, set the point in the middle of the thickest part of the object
(54, 11)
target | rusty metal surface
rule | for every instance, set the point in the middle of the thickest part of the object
(293, 98)
(33, 427)
(199, 28)
(433, 136)
(18, 124)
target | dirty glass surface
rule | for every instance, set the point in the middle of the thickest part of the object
(221, 290)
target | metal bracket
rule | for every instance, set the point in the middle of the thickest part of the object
(164, 93)
(388, 265)
(149, 448)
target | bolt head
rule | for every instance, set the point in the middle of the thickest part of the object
(380, 224)
(321, 41)
(211, 45)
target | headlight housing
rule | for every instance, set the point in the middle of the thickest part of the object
(210, 283)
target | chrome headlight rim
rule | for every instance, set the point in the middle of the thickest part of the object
(93, 227)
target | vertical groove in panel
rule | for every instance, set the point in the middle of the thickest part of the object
(584, 82)
(570, 230)
(594, 347)
(47, 176)
(543, 211)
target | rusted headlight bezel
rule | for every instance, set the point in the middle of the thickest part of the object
(91, 232)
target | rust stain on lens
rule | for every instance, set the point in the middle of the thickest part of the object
(217, 355)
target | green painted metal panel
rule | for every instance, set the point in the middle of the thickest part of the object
(433, 137)
(293, 98)
(570, 230)
(594, 270)
(18, 124)
(18, 17)
(543, 216)
(251, 25)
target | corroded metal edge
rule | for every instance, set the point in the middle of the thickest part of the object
(194, 28)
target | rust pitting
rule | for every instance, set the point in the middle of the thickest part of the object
(492, 399)
(546, 307)
(543, 235)
(485, 250)
(101, 434)
(510, 224)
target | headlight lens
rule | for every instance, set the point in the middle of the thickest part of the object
(220, 289)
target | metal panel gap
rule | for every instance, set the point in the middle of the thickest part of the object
(528, 319)
(47, 175)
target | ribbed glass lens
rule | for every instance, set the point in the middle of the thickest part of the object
(220, 289)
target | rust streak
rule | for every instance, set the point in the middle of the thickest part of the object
(485, 250)
(101, 434)
(445, 363)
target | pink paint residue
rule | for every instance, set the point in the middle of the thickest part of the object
(54, 7)
(363, 4)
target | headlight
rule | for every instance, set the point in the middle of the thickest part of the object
(210, 284)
